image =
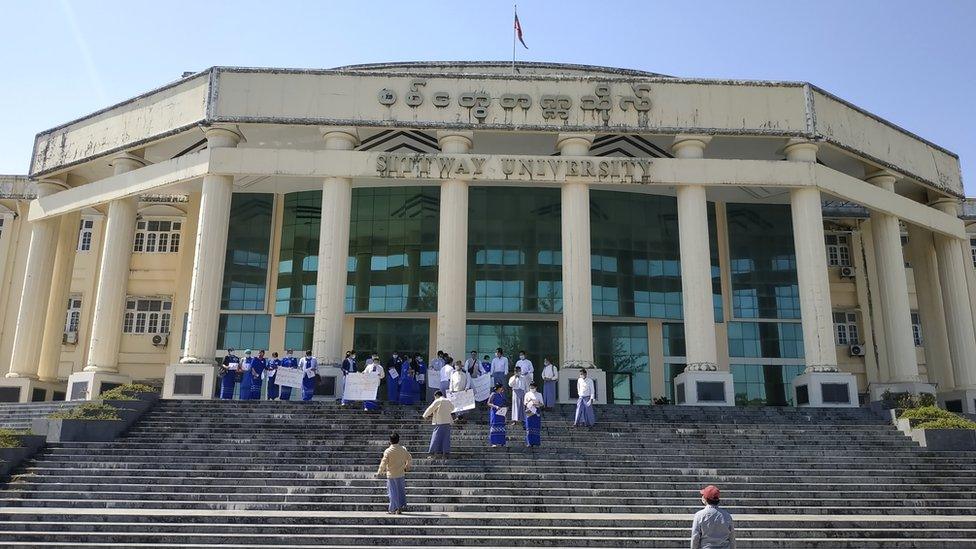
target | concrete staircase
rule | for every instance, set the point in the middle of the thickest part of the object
(19, 416)
(293, 474)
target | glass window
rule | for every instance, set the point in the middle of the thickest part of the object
(385, 335)
(763, 262)
(73, 316)
(636, 267)
(972, 250)
(622, 351)
(845, 328)
(765, 340)
(671, 371)
(85, 232)
(838, 249)
(147, 316)
(916, 329)
(244, 331)
(157, 236)
(248, 247)
(514, 250)
(764, 384)
(298, 333)
(538, 339)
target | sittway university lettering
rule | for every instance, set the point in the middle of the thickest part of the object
(521, 168)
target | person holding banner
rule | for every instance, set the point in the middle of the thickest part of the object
(518, 385)
(550, 380)
(533, 416)
(288, 362)
(409, 388)
(393, 379)
(373, 368)
(348, 367)
(585, 417)
(246, 378)
(499, 367)
(439, 412)
(496, 417)
(310, 367)
(460, 381)
(231, 367)
(270, 373)
(395, 464)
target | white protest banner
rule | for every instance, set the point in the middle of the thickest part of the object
(462, 400)
(289, 377)
(482, 387)
(360, 386)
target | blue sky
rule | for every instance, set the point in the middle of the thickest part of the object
(913, 63)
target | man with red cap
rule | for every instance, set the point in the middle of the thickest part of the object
(712, 528)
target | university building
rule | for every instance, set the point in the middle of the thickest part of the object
(704, 241)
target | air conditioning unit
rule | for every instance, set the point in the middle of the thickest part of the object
(70, 338)
(857, 350)
(160, 340)
(847, 272)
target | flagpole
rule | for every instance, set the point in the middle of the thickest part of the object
(515, 9)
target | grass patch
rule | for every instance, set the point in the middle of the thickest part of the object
(89, 410)
(10, 438)
(947, 423)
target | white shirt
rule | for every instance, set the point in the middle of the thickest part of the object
(532, 400)
(527, 368)
(517, 383)
(308, 363)
(550, 372)
(584, 387)
(446, 371)
(375, 369)
(499, 365)
(459, 381)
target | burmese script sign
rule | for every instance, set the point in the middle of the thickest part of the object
(500, 167)
(289, 377)
(360, 386)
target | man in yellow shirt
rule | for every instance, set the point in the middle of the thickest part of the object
(395, 463)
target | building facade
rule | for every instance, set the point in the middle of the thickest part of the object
(646, 226)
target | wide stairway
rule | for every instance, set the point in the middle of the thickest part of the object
(20, 416)
(294, 474)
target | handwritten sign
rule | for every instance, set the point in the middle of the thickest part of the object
(360, 386)
(289, 377)
(462, 400)
(481, 386)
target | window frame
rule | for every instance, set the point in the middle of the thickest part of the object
(846, 329)
(149, 240)
(72, 317)
(842, 250)
(86, 228)
(146, 315)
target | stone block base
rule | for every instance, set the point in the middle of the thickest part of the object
(89, 385)
(190, 381)
(825, 390)
(704, 388)
(959, 401)
(22, 389)
(913, 387)
(566, 386)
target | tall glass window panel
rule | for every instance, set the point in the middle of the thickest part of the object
(765, 340)
(764, 384)
(385, 335)
(298, 333)
(299, 253)
(537, 339)
(514, 250)
(241, 331)
(622, 351)
(248, 247)
(762, 261)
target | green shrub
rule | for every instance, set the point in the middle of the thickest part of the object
(927, 413)
(954, 422)
(127, 392)
(926, 399)
(89, 410)
(9, 438)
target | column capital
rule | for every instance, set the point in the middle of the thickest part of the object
(690, 145)
(126, 162)
(881, 178)
(801, 150)
(574, 144)
(49, 186)
(340, 138)
(455, 141)
(946, 205)
(223, 136)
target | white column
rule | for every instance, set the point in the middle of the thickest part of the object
(955, 301)
(921, 251)
(37, 289)
(696, 262)
(816, 315)
(113, 275)
(330, 282)
(64, 262)
(577, 291)
(893, 289)
(210, 249)
(452, 252)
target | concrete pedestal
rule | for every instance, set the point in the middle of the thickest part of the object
(704, 388)
(825, 390)
(190, 381)
(913, 387)
(566, 386)
(22, 389)
(331, 387)
(88, 385)
(959, 400)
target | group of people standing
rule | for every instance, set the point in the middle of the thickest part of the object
(249, 375)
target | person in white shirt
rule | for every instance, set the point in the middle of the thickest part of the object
(373, 368)
(439, 413)
(585, 417)
(550, 380)
(528, 370)
(433, 374)
(310, 367)
(460, 381)
(499, 367)
(533, 416)
(517, 383)
(446, 370)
